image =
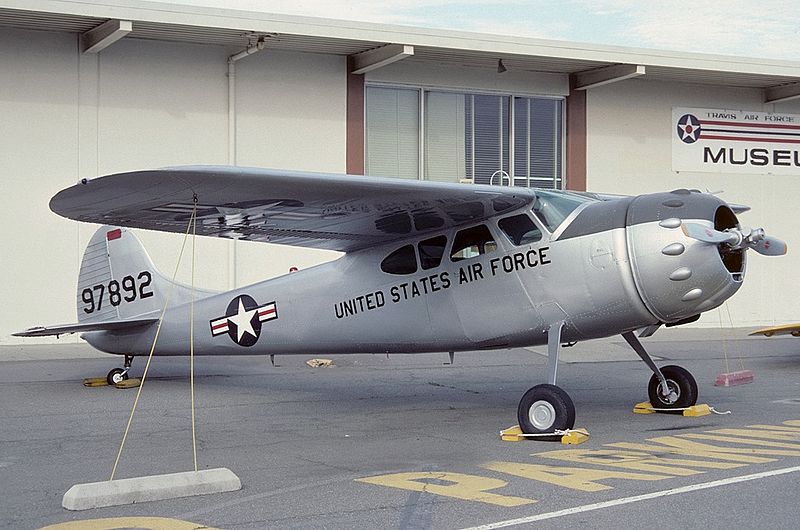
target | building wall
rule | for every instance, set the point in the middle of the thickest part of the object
(138, 105)
(145, 104)
(410, 72)
(629, 151)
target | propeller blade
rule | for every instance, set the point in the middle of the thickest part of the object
(736, 238)
(771, 246)
(706, 234)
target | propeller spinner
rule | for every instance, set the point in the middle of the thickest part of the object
(737, 238)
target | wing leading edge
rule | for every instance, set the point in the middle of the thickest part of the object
(319, 210)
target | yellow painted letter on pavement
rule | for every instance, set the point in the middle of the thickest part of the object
(782, 436)
(632, 460)
(455, 485)
(576, 478)
(775, 448)
(679, 446)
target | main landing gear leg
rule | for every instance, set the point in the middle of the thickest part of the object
(671, 387)
(546, 408)
(118, 375)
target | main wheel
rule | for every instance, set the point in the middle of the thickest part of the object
(117, 375)
(682, 386)
(545, 409)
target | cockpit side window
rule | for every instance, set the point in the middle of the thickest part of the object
(472, 242)
(553, 207)
(431, 251)
(519, 229)
(401, 261)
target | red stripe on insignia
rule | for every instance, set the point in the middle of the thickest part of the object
(114, 234)
(218, 326)
(266, 312)
(748, 124)
(704, 136)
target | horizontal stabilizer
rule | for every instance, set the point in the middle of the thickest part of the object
(787, 329)
(63, 329)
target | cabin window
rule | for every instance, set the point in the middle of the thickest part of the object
(472, 242)
(431, 251)
(520, 230)
(401, 261)
(551, 208)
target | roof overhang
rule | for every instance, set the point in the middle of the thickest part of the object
(375, 44)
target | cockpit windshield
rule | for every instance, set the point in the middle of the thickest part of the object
(553, 207)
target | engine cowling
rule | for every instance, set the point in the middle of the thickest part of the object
(677, 276)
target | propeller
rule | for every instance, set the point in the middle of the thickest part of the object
(737, 238)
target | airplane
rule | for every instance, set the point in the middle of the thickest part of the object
(426, 267)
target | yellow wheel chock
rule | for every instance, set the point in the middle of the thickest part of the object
(694, 411)
(95, 381)
(101, 381)
(133, 382)
(568, 437)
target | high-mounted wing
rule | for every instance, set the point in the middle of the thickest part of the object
(336, 212)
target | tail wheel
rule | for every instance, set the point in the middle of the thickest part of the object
(544, 409)
(682, 389)
(117, 375)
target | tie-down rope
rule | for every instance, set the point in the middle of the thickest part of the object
(191, 227)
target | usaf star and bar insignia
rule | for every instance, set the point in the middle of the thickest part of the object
(243, 319)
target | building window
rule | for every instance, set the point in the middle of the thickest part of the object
(483, 138)
(392, 133)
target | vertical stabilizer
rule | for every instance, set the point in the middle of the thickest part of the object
(117, 279)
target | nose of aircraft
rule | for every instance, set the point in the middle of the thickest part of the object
(687, 252)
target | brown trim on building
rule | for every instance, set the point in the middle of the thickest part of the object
(355, 121)
(576, 140)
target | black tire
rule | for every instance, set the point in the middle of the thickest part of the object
(116, 375)
(681, 382)
(545, 409)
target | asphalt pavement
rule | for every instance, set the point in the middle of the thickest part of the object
(408, 441)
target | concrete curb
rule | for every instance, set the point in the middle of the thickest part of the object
(151, 488)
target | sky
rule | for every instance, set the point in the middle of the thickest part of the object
(766, 29)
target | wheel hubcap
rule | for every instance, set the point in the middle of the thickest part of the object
(117, 378)
(674, 393)
(542, 415)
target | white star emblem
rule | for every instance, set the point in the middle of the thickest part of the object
(244, 321)
(689, 131)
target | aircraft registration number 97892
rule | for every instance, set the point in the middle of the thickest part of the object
(128, 290)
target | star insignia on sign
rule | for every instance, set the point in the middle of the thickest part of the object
(689, 129)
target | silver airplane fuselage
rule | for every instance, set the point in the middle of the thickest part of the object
(608, 267)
